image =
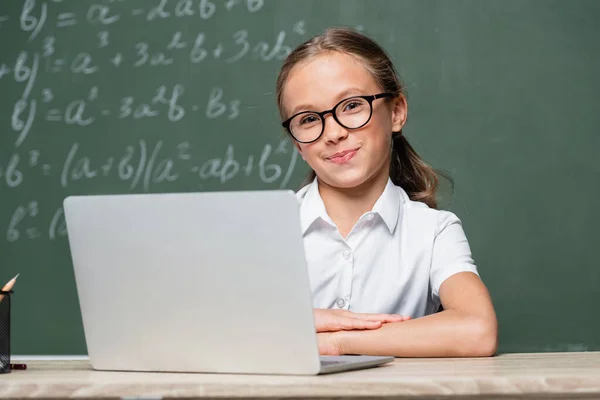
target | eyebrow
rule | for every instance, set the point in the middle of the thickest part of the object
(342, 95)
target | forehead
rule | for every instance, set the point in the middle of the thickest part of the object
(325, 79)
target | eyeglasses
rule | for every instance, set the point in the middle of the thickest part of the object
(351, 113)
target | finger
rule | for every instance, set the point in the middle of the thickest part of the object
(332, 326)
(358, 324)
(397, 318)
(349, 324)
(379, 317)
(384, 318)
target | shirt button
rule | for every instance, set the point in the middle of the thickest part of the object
(346, 254)
(340, 302)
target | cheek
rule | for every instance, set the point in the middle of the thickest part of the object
(384, 117)
(381, 132)
(306, 151)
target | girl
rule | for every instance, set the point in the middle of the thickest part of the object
(381, 258)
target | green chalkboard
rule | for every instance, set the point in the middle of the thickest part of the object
(159, 96)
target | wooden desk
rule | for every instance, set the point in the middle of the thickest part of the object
(557, 375)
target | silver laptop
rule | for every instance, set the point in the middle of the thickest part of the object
(212, 282)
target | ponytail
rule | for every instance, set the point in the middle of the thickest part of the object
(411, 173)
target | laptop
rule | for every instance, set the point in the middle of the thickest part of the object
(211, 282)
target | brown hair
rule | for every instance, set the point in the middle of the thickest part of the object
(407, 169)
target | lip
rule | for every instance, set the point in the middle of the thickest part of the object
(342, 156)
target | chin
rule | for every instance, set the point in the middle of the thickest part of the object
(347, 180)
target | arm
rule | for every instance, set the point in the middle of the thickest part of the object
(466, 328)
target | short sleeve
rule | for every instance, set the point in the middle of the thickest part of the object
(451, 251)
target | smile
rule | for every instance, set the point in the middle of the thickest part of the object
(343, 156)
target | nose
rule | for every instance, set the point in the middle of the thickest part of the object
(333, 132)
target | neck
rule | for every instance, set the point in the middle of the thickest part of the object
(346, 205)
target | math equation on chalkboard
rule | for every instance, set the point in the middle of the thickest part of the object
(118, 96)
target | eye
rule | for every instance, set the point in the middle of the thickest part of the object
(309, 119)
(353, 106)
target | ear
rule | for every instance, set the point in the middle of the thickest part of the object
(399, 113)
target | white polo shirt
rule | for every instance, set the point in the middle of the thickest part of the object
(393, 260)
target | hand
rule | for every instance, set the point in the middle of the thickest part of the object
(329, 345)
(327, 320)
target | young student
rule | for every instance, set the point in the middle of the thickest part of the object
(382, 259)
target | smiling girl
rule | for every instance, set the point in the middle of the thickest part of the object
(381, 258)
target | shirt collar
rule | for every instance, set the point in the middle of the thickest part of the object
(312, 207)
(387, 206)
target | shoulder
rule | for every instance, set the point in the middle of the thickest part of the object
(421, 213)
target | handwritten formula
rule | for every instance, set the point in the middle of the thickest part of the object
(94, 98)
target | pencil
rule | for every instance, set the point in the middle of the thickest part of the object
(9, 285)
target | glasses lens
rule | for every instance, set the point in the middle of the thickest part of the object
(306, 127)
(353, 113)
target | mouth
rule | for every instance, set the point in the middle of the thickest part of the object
(343, 156)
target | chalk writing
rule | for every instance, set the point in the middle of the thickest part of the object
(24, 223)
(92, 104)
(31, 23)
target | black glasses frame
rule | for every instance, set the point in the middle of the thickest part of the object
(369, 99)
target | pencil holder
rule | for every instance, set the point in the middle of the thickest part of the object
(5, 331)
